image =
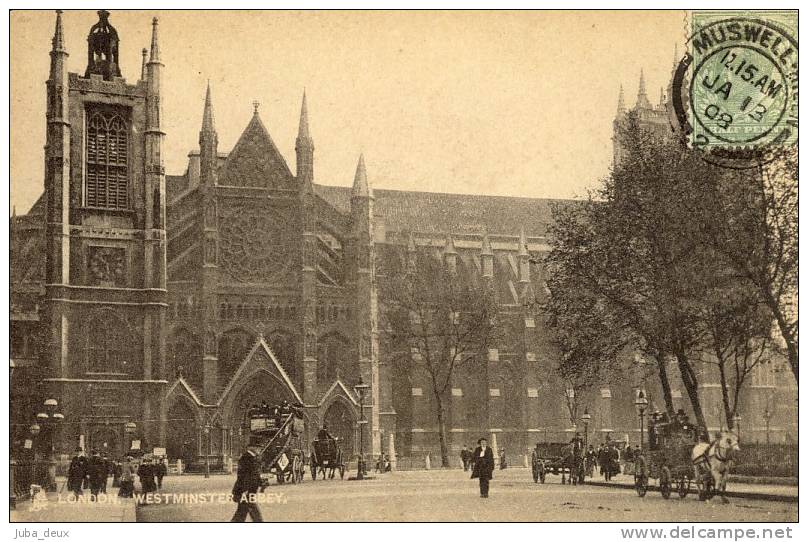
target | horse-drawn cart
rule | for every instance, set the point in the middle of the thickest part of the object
(326, 457)
(561, 458)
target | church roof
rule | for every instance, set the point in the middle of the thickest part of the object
(457, 213)
(255, 161)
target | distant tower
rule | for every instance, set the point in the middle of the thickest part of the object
(642, 95)
(105, 293)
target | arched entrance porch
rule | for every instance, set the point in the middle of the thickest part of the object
(341, 422)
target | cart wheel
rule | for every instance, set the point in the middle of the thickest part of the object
(683, 486)
(640, 484)
(342, 472)
(665, 482)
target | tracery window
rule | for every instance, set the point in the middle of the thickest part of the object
(107, 156)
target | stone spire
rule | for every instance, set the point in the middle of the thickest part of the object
(642, 95)
(303, 128)
(58, 54)
(144, 53)
(621, 102)
(208, 124)
(155, 46)
(304, 149)
(661, 98)
(361, 188)
(58, 40)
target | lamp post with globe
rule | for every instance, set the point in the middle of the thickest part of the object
(641, 403)
(361, 390)
(49, 418)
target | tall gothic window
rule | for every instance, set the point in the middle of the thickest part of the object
(107, 161)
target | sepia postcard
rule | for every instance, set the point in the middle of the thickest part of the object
(404, 266)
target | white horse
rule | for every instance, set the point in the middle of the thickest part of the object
(714, 460)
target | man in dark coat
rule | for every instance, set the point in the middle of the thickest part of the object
(483, 466)
(146, 474)
(97, 471)
(76, 472)
(248, 482)
(160, 470)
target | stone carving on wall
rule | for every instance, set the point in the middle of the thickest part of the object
(256, 244)
(107, 266)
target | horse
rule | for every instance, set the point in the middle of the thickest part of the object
(714, 460)
(572, 459)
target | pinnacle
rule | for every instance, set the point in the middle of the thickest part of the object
(303, 129)
(58, 34)
(361, 188)
(208, 124)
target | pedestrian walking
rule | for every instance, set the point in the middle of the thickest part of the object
(97, 473)
(76, 472)
(248, 482)
(146, 474)
(464, 457)
(503, 460)
(116, 473)
(483, 467)
(127, 478)
(161, 469)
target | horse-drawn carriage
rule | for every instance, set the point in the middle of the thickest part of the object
(326, 457)
(276, 432)
(679, 455)
(566, 459)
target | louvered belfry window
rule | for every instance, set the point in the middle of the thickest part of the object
(107, 161)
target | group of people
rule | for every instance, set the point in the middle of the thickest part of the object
(94, 472)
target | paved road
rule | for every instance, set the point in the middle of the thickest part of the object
(451, 496)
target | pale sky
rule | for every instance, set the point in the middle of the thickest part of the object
(501, 103)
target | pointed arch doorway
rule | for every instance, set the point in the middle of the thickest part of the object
(341, 422)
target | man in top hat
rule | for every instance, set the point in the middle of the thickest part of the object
(483, 466)
(76, 472)
(97, 470)
(248, 483)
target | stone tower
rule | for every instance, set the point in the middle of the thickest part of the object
(105, 263)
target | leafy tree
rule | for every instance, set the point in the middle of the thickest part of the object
(447, 320)
(758, 237)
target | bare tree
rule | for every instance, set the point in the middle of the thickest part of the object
(445, 320)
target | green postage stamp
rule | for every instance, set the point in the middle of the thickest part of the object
(738, 84)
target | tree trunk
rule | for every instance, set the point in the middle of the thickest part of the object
(729, 412)
(662, 369)
(691, 385)
(444, 445)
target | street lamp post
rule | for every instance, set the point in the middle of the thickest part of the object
(641, 403)
(49, 417)
(361, 389)
(737, 420)
(586, 418)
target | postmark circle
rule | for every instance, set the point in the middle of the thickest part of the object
(738, 94)
(734, 95)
